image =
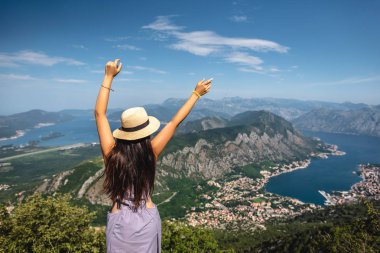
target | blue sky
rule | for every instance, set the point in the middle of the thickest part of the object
(52, 53)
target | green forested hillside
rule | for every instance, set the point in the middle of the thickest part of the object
(53, 224)
(346, 228)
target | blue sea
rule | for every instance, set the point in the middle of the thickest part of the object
(74, 131)
(332, 174)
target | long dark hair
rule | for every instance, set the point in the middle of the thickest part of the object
(130, 170)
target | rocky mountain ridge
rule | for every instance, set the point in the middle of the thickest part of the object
(251, 137)
(365, 121)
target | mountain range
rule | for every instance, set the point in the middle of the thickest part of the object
(228, 107)
(306, 115)
(363, 121)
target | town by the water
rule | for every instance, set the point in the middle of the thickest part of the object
(243, 203)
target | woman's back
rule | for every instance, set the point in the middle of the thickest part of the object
(133, 231)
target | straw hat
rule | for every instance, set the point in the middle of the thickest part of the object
(136, 124)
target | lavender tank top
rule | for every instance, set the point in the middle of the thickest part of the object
(129, 231)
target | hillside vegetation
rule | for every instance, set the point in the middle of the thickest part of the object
(53, 224)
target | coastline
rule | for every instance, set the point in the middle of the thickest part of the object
(19, 133)
(245, 203)
(367, 187)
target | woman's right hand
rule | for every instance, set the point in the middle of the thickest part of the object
(112, 68)
(203, 87)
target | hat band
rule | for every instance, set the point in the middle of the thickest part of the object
(136, 128)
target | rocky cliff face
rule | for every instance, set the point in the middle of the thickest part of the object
(208, 159)
(202, 125)
(358, 121)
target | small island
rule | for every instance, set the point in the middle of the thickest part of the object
(52, 135)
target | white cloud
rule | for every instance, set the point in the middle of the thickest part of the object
(256, 69)
(249, 63)
(116, 39)
(80, 47)
(260, 70)
(127, 72)
(163, 23)
(205, 43)
(352, 80)
(274, 69)
(128, 47)
(128, 79)
(70, 80)
(17, 77)
(153, 70)
(194, 48)
(210, 42)
(193, 41)
(243, 59)
(34, 58)
(239, 19)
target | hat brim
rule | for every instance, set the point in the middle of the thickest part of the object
(153, 126)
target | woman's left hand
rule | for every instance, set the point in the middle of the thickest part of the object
(113, 68)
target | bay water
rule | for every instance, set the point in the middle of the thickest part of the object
(337, 173)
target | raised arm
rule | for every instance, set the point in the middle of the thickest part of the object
(163, 137)
(104, 131)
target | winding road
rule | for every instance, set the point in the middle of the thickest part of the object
(43, 151)
(168, 199)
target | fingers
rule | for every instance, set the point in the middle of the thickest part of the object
(207, 84)
(204, 82)
(119, 68)
(117, 61)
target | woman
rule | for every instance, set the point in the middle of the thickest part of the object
(134, 224)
